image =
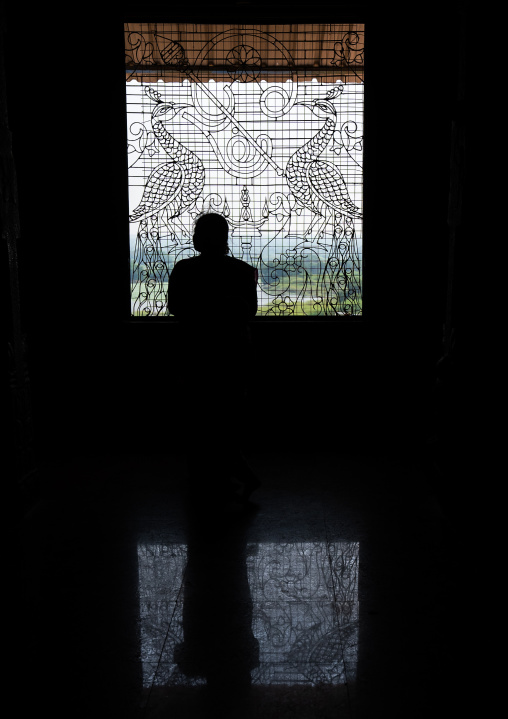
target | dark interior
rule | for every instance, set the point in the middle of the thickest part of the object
(359, 430)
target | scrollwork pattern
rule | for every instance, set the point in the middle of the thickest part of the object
(281, 161)
(305, 612)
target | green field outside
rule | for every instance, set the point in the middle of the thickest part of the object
(286, 304)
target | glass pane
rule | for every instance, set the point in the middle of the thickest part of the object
(263, 125)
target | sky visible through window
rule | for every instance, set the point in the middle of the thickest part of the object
(280, 159)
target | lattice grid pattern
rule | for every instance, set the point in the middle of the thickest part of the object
(303, 615)
(263, 125)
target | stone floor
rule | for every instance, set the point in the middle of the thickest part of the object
(340, 593)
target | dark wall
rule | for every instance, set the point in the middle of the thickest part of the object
(98, 378)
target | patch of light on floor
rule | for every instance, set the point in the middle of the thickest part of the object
(304, 611)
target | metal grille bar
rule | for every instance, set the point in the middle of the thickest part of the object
(263, 125)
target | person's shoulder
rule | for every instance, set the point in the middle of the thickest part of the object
(185, 263)
(240, 264)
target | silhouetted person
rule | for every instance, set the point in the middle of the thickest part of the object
(218, 640)
(214, 296)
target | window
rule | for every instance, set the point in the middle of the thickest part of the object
(263, 125)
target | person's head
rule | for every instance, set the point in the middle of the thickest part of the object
(211, 234)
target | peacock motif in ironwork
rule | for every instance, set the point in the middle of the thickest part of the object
(289, 182)
(173, 186)
(317, 184)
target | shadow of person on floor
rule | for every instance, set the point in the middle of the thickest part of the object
(219, 644)
(214, 296)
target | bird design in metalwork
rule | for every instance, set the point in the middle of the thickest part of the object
(316, 183)
(174, 185)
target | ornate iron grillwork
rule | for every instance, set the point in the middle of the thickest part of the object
(263, 125)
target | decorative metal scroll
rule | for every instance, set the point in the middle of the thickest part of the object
(274, 147)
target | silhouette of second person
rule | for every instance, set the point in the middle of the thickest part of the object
(213, 296)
